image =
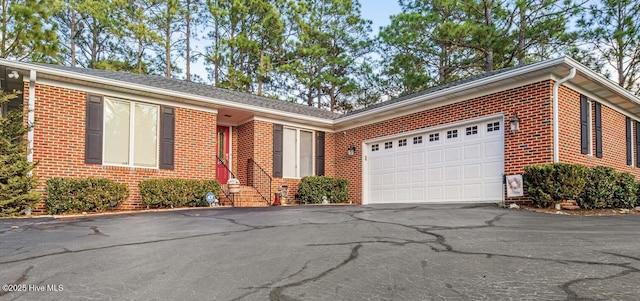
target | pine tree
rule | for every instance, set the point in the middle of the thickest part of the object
(16, 180)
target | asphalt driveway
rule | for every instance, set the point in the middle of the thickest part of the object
(400, 252)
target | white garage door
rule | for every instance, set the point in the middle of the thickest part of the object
(457, 164)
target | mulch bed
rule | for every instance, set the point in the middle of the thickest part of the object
(583, 212)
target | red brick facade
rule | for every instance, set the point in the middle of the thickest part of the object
(59, 138)
(614, 152)
(59, 143)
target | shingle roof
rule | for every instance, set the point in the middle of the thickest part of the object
(200, 90)
(436, 88)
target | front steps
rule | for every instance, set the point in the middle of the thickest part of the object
(247, 197)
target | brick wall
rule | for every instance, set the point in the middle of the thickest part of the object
(531, 145)
(614, 153)
(59, 134)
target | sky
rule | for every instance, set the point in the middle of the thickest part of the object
(378, 11)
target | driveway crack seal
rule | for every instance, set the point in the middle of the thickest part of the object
(277, 293)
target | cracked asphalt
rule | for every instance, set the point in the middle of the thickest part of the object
(392, 252)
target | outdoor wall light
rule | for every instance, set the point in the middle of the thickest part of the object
(515, 123)
(13, 74)
(351, 150)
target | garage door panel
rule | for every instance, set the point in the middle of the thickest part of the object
(461, 163)
(417, 158)
(453, 173)
(493, 168)
(417, 176)
(473, 151)
(473, 171)
(493, 149)
(402, 160)
(418, 194)
(452, 154)
(435, 193)
(473, 191)
(403, 177)
(434, 156)
(388, 163)
(452, 192)
(434, 174)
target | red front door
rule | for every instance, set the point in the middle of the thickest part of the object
(222, 174)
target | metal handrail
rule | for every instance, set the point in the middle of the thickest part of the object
(263, 175)
(226, 191)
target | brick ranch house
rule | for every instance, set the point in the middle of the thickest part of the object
(451, 143)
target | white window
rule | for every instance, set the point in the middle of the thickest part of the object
(130, 134)
(452, 134)
(417, 140)
(434, 137)
(402, 142)
(297, 153)
(388, 145)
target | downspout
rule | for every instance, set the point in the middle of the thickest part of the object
(31, 113)
(556, 121)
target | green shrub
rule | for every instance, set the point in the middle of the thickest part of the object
(550, 183)
(17, 183)
(66, 195)
(570, 180)
(176, 192)
(625, 192)
(540, 184)
(312, 189)
(600, 190)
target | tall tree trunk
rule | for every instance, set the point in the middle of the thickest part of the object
(188, 40)
(489, 47)
(167, 42)
(521, 51)
(72, 38)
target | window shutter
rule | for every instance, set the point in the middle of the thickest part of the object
(167, 137)
(637, 144)
(629, 155)
(277, 150)
(93, 133)
(320, 153)
(598, 113)
(584, 125)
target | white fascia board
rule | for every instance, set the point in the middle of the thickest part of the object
(602, 80)
(458, 88)
(208, 100)
(297, 125)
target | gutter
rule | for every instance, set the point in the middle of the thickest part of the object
(556, 122)
(31, 112)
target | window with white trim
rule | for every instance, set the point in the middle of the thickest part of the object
(434, 137)
(375, 147)
(130, 133)
(402, 142)
(417, 140)
(298, 153)
(452, 134)
(388, 145)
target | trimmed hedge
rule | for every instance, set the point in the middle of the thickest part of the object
(67, 195)
(176, 192)
(550, 183)
(593, 188)
(312, 189)
(602, 182)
